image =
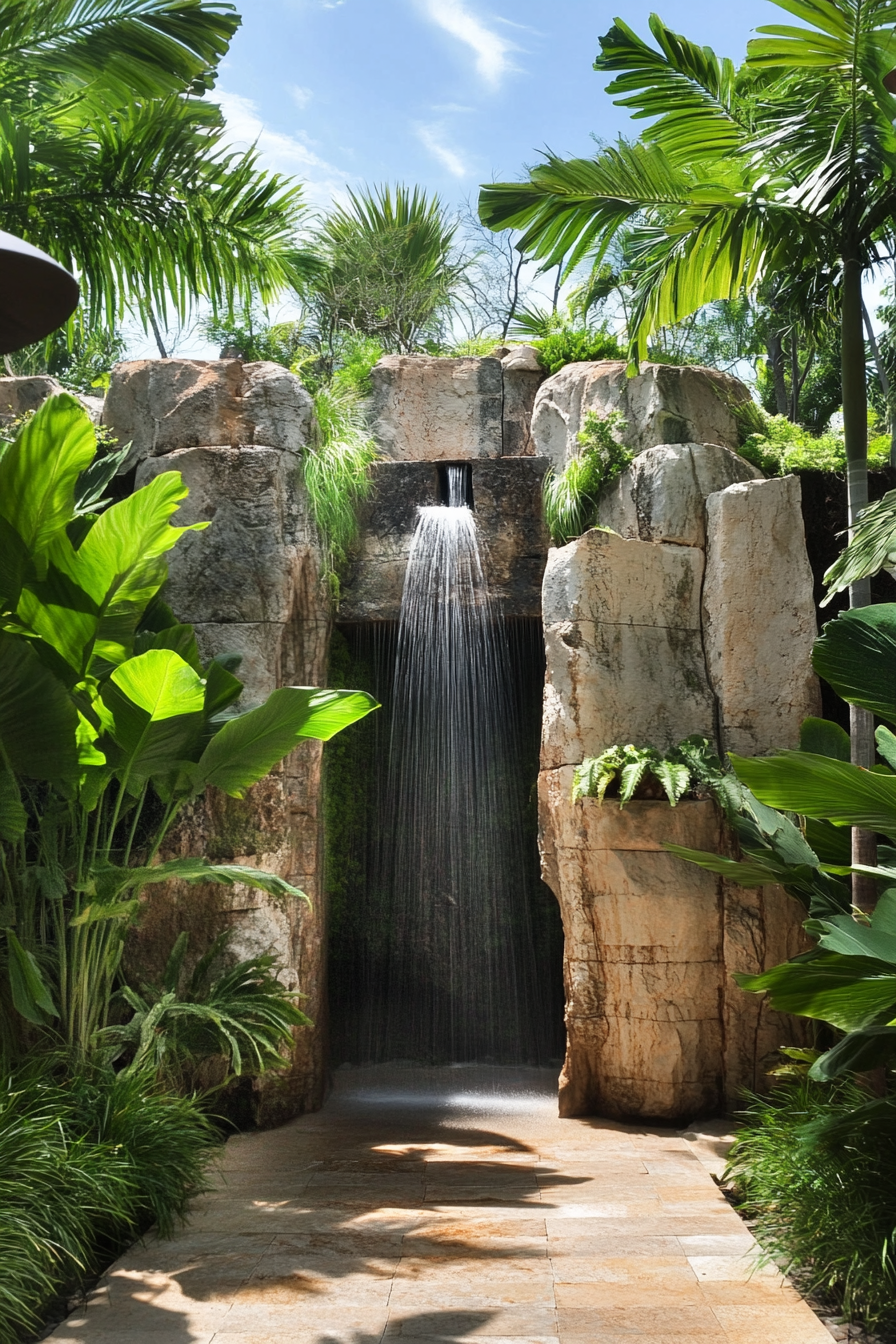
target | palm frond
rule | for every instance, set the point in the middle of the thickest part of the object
(692, 93)
(872, 548)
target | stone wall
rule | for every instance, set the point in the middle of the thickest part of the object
(251, 585)
(694, 616)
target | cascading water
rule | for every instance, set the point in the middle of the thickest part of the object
(451, 869)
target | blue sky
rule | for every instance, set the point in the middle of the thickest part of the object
(446, 93)
(442, 93)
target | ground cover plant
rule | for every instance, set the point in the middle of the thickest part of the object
(642, 772)
(89, 1159)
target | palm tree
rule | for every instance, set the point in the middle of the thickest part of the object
(783, 169)
(389, 269)
(114, 163)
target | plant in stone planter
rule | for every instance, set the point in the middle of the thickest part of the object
(643, 772)
(570, 499)
(109, 723)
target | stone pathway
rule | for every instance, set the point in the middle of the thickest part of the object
(425, 1206)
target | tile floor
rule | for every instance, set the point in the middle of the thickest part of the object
(447, 1205)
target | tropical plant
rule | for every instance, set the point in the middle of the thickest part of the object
(822, 1208)
(785, 167)
(781, 446)
(89, 1159)
(110, 161)
(336, 471)
(687, 767)
(109, 724)
(570, 498)
(240, 1014)
(389, 269)
(872, 547)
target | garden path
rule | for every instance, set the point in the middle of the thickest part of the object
(426, 1206)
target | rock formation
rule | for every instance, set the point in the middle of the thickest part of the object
(694, 616)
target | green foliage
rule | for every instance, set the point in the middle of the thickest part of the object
(476, 347)
(570, 499)
(819, 1203)
(241, 1014)
(629, 771)
(80, 358)
(872, 548)
(388, 269)
(569, 346)
(109, 724)
(784, 447)
(250, 337)
(336, 468)
(111, 162)
(89, 1159)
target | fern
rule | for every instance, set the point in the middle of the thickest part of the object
(690, 766)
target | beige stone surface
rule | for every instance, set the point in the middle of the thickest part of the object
(662, 495)
(437, 410)
(163, 405)
(624, 647)
(20, 395)
(398, 1213)
(251, 584)
(656, 1026)
(662, 404)
(759, 616)
(523, 376)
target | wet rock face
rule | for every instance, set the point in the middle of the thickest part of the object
(164, 405)
(697, 619)
(507, 505)
(661, 405)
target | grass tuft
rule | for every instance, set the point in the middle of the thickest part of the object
(336, 471)
(825, 1207)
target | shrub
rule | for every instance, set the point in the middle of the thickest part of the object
(824, 1206)
(87, 1162)
(570, 345)
(570, 500)
(784, 447)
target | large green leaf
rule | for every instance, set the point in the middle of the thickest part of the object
(119, 564)
(858, 1051)
(747, 873)
(192, 870)
(38, 721)
(30, 995)
(248, 747)
(856, 654)
(816, 786)
(39, 471)
(821, 737)
(847, 991)
(156, 703)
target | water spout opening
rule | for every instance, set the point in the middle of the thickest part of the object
(456, 485)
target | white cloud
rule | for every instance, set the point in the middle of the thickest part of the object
(432, 138)
(301, 97)
(281, 153)
(490, 49)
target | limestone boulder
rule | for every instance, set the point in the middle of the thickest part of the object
(624, 647)
(656, 1026)
(437, 410)
(163, 405)
(523, 376)
(758, 615)
(18, 396)
(251, 584)
(661, 496)
(663, 404)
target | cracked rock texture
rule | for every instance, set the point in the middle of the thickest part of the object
(661, 405)
(251, 584)
(697, 619)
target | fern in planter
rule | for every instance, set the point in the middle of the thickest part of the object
(644, 772)
(570, 499)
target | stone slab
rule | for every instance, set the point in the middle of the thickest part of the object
(759, 615)
(431, 409)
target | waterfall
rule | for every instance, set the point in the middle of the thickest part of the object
(452, 874)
